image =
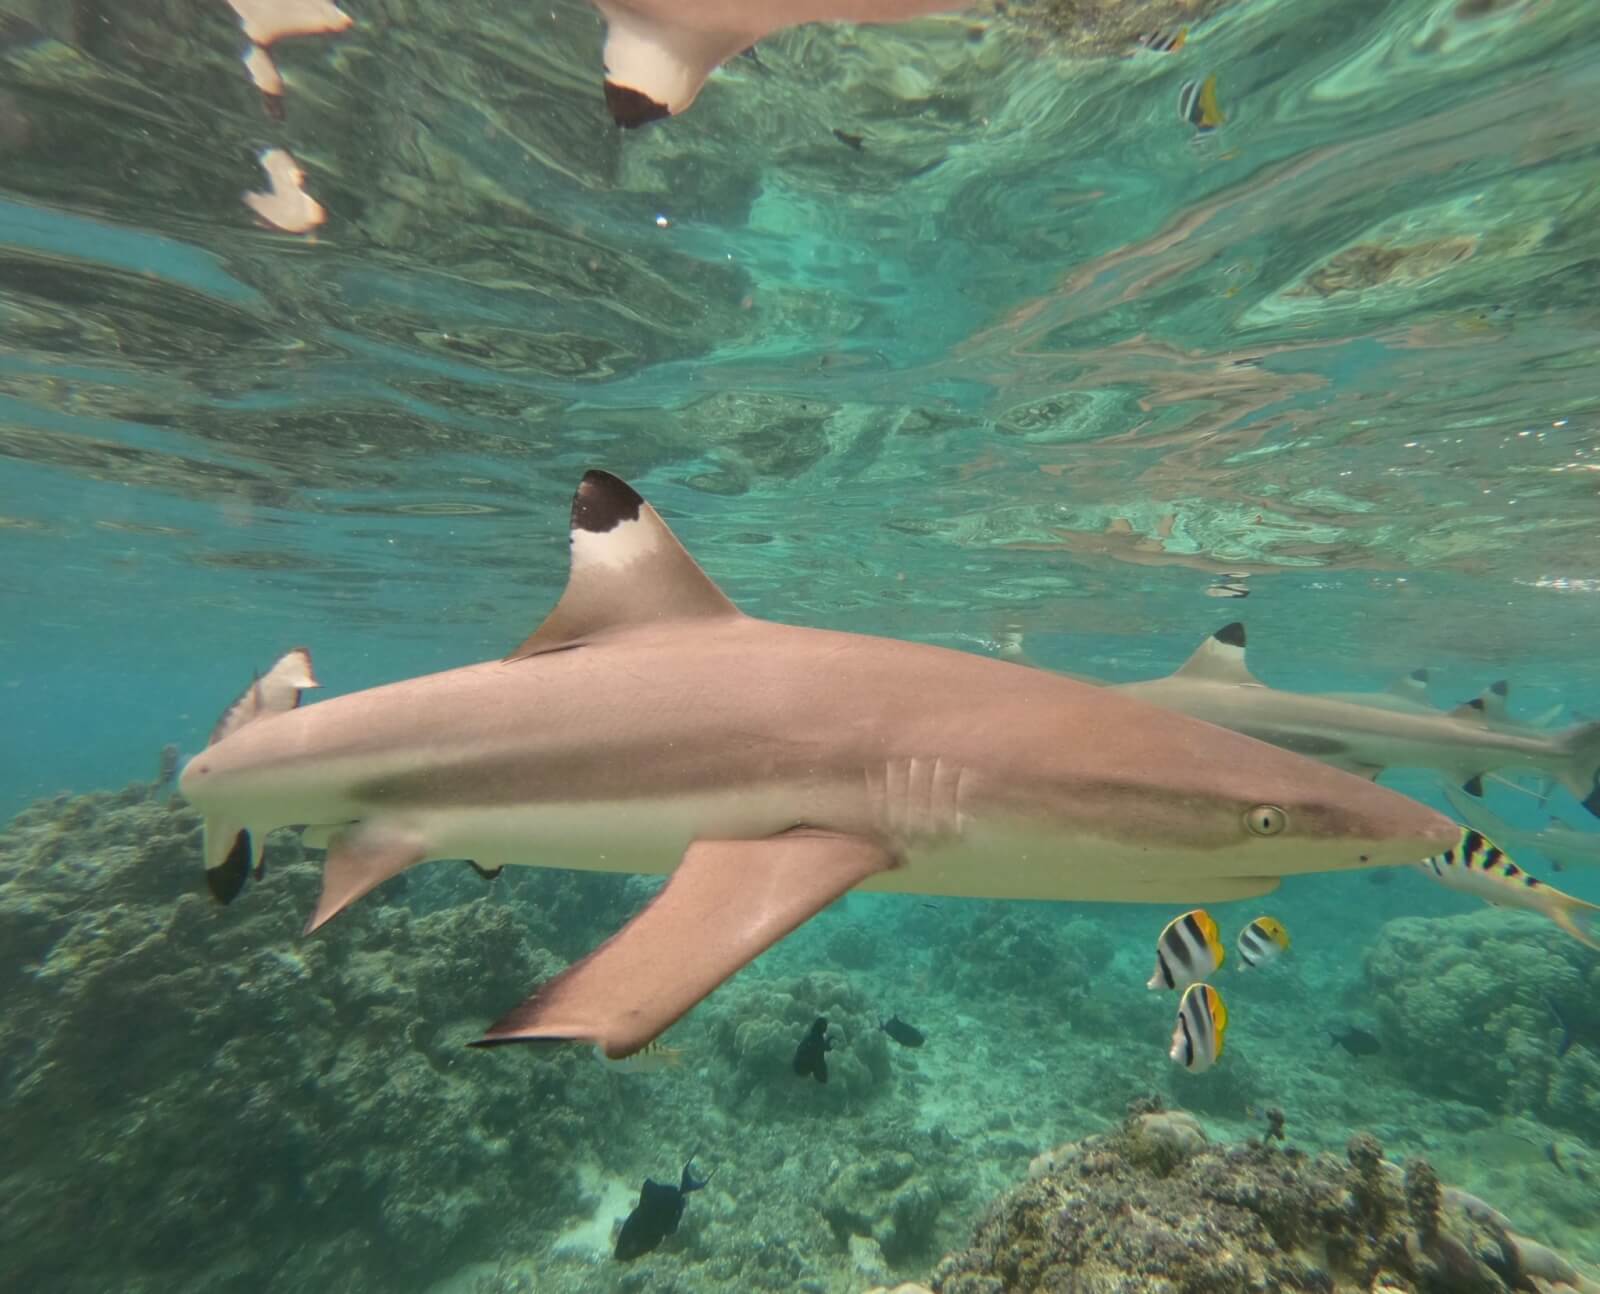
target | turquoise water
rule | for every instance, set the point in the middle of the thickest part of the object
(1037, 363)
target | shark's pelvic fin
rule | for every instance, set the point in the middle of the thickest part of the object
(230, 850)
(1220, 659)
(361, 858)
(726, 902)
(627, 569)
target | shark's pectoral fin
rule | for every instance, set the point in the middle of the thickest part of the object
(728, 901)
(655, 67)
(361, 858)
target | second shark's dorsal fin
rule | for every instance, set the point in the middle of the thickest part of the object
(627, 569)
(1220, 659)
(1412, 686)
(1494, 700)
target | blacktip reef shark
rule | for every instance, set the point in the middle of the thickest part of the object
(1215, 684)
(658, 53)
(648, 720)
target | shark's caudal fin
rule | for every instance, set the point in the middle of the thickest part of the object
(655, 66)
(627, 569)
(1220, 659)
(727, 901)
(1580, 774)
(230, 850)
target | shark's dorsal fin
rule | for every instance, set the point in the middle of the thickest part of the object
(627, 569)
(1473, 712)
(1412, 686)
(1220, 659)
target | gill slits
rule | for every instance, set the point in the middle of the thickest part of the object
(916, 799)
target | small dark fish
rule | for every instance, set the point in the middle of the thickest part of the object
(1568, 1035)
(488, 873)
(907, 1035)
(857, 142)
(1358, 1042)
(1552, 1152)
(810, 1057)
(656, 1215)
(167, 769)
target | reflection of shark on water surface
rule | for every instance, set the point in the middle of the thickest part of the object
(1216, 685)
(648, 719)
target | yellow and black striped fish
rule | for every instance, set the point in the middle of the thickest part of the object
(1188, 950)
(1162, 42)
(1261, 941)
(1202, 1022)
(1197, 104)
(1476, 866)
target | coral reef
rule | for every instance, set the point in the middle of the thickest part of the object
(192, 1099)
(1438, 982)
(1156, 1205)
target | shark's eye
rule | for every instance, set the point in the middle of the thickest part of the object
(1266, 820)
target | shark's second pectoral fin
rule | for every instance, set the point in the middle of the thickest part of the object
(362, 857)
(728, 901)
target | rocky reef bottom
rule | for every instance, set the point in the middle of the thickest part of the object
(1158, 1206)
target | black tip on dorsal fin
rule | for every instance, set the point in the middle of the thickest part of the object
(631, 109)
(1500, 687)
(602, 502)
(1419, 675)
(1473, 786)
(1475, 704)
(1232, 634)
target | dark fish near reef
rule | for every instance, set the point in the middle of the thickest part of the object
(810, 1057)
(906, 1035)
(1188, 950)
(1574, 1032)
(167, 769)
(1197, 104)
(1358, 1042)
(656, 1215)
(856, 142)
(1202, 1023)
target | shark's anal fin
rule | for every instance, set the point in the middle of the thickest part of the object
(361, 858)
(1220, 659)
(728, 901)
(627, 569)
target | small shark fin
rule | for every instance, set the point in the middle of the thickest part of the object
(1220, 659)
(627, 568)
(727, 901)
(1580, 769)
(1412, 687)
(274, 692)
(1494, 698)
(361, 858)
(655, 67)
(1473, 786)
(1473, 712)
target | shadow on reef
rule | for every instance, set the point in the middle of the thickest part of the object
(1157, 1206)
(193, 1098)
